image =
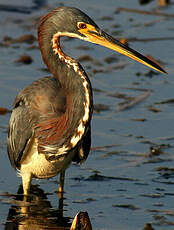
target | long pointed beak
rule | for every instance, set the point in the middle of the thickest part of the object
(101, 38)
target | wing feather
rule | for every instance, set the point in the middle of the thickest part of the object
(34, 108)
(19, 134)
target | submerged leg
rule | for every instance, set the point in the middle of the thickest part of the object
(60, 193)
(60, 207)
(61, 183)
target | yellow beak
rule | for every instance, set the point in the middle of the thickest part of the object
(101, 38)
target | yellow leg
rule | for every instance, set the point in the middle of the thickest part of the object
(61, 183)
(60, 192)
(26, 182)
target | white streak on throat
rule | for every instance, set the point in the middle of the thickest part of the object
(80, 130)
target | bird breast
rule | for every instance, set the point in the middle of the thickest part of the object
(37, 164)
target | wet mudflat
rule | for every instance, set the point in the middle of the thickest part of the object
(128, 179)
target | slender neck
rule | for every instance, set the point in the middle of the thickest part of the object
(71, 77)
(66, 69)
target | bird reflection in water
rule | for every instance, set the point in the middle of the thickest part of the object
(37, 213)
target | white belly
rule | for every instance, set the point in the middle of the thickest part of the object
(36, 164)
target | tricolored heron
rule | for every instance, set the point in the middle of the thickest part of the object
(50, 122)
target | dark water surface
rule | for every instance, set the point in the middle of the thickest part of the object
(128, 179)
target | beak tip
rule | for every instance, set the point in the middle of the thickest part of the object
(165, 72)
(162, 71)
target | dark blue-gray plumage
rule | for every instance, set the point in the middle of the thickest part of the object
(50, 122)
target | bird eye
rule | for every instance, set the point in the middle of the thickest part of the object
(82, 25)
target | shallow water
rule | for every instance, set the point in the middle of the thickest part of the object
(128, 179)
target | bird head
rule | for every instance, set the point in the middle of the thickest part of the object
(72, 22)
